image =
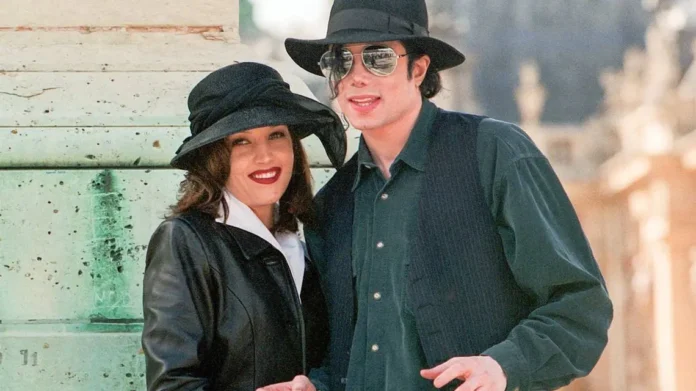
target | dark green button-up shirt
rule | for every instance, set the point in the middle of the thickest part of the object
(386, 354)
(522, 192)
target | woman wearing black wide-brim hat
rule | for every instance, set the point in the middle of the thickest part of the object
(231, 301)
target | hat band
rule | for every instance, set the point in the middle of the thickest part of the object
(271, 91)
(369, 19)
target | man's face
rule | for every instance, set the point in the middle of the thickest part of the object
(372, 102)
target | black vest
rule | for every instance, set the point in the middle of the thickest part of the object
(460, 286)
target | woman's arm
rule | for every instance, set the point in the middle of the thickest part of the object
(177, 310)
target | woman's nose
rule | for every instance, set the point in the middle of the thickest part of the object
(263, 153)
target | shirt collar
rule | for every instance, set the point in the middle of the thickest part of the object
(414, 153)
(365, 162)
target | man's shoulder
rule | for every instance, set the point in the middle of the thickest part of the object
(458, 118)
(506, 138)
(493, 134)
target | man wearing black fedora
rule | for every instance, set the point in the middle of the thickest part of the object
(450, 254)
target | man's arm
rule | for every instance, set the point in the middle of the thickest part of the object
(551, 260)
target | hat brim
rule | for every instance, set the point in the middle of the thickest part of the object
(301, 122)
(306, 53)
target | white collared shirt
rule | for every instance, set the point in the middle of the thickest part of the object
(288, 243)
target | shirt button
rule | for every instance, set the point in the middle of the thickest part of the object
(384, 196)
(377, 295)
(375, 347)
(380, 244)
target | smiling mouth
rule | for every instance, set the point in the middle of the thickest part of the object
(266, 177)
(363, 102)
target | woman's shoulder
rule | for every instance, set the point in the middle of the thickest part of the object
(185, 226)
(192, 220)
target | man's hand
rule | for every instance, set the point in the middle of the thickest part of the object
(299, 383)
(480, 373)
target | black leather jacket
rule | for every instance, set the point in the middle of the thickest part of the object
(222, 312)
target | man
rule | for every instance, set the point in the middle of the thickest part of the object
(449, 251)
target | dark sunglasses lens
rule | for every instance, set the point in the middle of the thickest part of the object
(336, 66)
(380, 60)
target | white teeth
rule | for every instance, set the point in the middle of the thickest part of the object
(363, 101)
(267, 175)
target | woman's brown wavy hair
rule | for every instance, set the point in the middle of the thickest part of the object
(207, 173)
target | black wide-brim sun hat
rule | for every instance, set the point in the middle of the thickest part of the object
(368, 21)
(250, 95)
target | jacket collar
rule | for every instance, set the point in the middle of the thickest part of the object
(251, 235)
(252, 246)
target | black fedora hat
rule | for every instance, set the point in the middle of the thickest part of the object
(250, 95)
(358, 21)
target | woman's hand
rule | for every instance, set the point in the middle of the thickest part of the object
(299, 383)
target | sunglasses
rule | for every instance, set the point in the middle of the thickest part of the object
(379, 60)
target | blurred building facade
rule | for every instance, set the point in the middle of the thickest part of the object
(630, 170)
(571, 42)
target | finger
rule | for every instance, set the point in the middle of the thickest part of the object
(431, 373)
(457, 371)
(299, 386)
(461, 388)
(302, 383)
(474, 383)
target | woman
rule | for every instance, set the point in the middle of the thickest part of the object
(231, 302)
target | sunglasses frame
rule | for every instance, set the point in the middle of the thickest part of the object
(362, 58)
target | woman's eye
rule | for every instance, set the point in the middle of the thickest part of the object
(276, 135)
(239, 141)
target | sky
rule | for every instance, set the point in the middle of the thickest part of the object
(295, 18)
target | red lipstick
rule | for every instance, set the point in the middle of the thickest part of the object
(265, 177)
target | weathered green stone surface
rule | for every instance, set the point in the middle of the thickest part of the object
(109, 147)
(72, 242)
(72, 248)
(71, 357)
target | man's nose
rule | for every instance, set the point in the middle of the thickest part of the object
(358, 73)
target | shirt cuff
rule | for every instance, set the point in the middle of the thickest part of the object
(515, 366)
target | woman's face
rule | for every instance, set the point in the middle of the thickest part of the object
(261, 163)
